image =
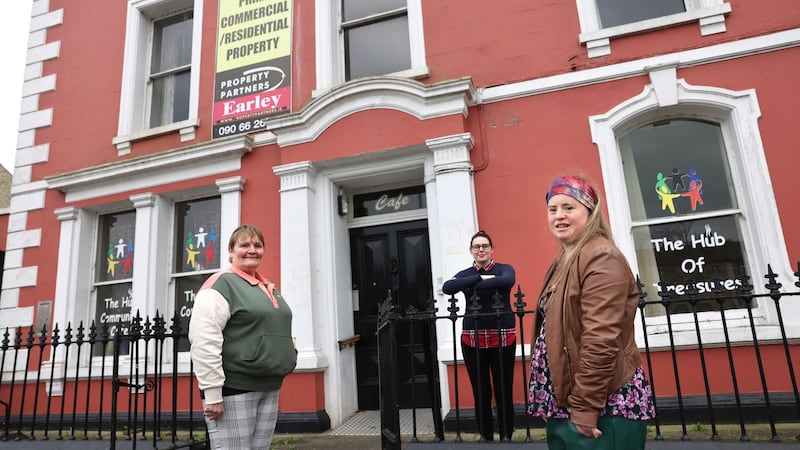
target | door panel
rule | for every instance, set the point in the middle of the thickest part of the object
(396, 258)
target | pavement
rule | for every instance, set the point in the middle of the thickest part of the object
(361, 432)
(326, 441)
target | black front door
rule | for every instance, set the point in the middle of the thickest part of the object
(396, 258)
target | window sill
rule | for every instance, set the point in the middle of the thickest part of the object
(711, 21)
(185, 127)
(713, 334)
(715, 337)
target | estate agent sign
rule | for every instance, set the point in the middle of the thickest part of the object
(253, 68)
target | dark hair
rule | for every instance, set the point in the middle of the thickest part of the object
(481, 233)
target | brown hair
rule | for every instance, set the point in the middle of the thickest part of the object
(244, 231)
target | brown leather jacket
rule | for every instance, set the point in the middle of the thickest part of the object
(589, 331)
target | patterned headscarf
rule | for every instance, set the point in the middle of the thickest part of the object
(576, 188)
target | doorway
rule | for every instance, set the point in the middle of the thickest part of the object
(392, 258)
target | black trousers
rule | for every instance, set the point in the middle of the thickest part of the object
(491, 371)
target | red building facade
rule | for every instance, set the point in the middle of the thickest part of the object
(370, 140)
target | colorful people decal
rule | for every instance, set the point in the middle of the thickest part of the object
(204, 244)
(120, 253)
(679, 184)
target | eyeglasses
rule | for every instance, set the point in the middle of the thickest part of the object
(481, 246)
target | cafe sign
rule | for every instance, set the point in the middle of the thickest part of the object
(389, 201)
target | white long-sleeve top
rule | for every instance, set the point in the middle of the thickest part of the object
(210, 314)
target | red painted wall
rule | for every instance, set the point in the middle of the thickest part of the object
(520, 145)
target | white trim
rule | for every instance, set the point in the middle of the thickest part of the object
(210, 158)
(230, 192)
(299, 268)
(416, 37)
(330, 44)
(24, 239)
(31, 155)
(186, 128)
(46, 20)
(73, 284)
(417, 99)
(14, 317)
(705, 55)
(153, 244)
(710, 14)
(18, 278)
(27, 199)
(42, 53)
(13, 259)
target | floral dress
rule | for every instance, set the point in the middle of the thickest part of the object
(634, 400)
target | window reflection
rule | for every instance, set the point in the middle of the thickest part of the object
(376, 37)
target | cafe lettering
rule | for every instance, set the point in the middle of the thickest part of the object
(391, 201)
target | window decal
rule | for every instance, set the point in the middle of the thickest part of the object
(203, 244)
(678, 186)
(120, 253)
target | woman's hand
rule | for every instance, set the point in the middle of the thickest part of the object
(589, 431)
(214, 411)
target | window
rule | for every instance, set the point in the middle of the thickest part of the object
(602, 20)
(114, 275)
(143, 275)
(161, 67)
(714, 131)
(170, 69)
(620, 12)
(375, 37)
(684, 211)
(197, 252)
(361, 38)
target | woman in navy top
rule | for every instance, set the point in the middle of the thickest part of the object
(488, 342)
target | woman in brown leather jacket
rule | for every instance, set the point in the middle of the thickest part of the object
(587, 380)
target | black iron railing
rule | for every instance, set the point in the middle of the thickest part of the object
(89, 383)
(92, 384)
(714, 405)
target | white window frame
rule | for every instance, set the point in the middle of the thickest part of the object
(737, 113)
(152, 264)
(134, 98)
(330, 45)
(710, 15)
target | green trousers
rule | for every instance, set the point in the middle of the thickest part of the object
(619, 433)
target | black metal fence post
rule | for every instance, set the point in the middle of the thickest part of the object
(387, 365)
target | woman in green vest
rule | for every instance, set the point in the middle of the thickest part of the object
(241, 346)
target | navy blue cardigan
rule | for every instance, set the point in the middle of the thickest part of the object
(469, 280)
